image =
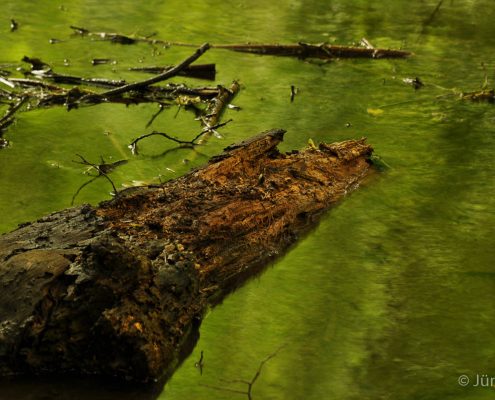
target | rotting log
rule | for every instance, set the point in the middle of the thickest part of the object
(120, 289)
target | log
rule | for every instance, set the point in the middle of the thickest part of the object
(120, 289)
(322, 51)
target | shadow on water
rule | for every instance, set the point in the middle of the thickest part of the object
(63, 388)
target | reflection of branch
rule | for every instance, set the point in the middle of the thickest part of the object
(200, 364)
(103, 169)
(430, 19)
(250, 383)
(153, 117)
(184, 143)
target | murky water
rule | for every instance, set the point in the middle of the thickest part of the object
(392, 296)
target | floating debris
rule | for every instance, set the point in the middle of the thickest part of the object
(416, 83)
(14, 25)
(102, 61)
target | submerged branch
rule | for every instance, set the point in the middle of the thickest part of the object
(184, 143)
(102, 169)
(250, 384)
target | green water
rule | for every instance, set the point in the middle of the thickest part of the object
(392, 296)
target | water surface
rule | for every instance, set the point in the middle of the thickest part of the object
(392, 295)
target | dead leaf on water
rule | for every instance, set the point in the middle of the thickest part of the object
(375, 112)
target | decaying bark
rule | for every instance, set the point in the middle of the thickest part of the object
(120, 289)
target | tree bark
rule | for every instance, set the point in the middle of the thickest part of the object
(120, 289)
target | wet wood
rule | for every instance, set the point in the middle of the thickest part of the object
(323, 50)
(217, 106)
(120, 289)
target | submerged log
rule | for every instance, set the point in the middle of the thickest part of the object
(119, 288)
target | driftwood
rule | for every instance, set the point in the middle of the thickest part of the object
(323, 50)
(120, 289)
(301, 49)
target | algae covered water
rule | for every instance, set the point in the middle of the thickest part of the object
(392, 296)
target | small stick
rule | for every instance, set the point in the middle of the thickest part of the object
(153, 117)
(184, 143)
(34, 83)
(7, 82)
(13, 25)
(250, 383)
(364, 42)
(8, 118)
(102, 170)
(293, 92)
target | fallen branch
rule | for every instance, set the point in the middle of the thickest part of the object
(102, 169)
(158, 78)
(216, 108)
(120, 289)
(184, 143)
(76, 80)
(8, 118)
(306, 50)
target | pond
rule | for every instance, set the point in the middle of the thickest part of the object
(392, 295)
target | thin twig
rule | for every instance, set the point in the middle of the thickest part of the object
(223, 389)
(81, 188)
(183, 143)
(430, 19)
(250, 383)
(102, 170)
(153, 117)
